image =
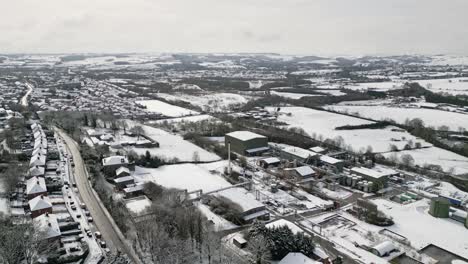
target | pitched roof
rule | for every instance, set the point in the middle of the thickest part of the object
(39, 202)
(36, 171)
(121, 170)
(35, 185)
(48, 224)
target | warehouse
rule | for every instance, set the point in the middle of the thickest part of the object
(378, 179)
(246, 143)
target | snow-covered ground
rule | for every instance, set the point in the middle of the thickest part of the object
(166, 109)
(436, 156)
(138, 205)
(173, 146)
(452, 86)
(323, 123)
(211, 102)
(415, 223)
(431, 117)
(195, 118)
(192, 177)
(292, 95)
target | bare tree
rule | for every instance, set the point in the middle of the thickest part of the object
(259, 248)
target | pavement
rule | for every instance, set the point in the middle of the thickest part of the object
(102, 219)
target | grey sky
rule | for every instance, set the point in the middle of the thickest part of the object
(284, 26)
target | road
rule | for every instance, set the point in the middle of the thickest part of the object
(24, 99)
(101, 220)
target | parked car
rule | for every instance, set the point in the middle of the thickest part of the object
(73, 207)
(102, 244)
(97, 234)
(90, 219)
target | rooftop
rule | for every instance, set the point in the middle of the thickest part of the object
(244, 135)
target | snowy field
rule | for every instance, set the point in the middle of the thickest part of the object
(211, 102)
(452, 86)
(436, 156)
(189, 119)
(194, 177)
(292, 95)
(324, 123)
(414, 222)
(173, 146)
(430, 117)
(166, 109)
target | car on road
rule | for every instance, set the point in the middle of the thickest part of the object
(78, 215)
(102, 243)
(89, 234)
(97, 234)
(73, 207)
(87, 213)
(83, 205)
(90, 219)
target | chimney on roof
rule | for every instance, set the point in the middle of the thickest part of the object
(42, 196)
(47, 214)
(38, 182)
(49, 224)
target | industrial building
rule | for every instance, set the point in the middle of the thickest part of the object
(298, 154)
(440, 207)
(379, 180)
(246, 143)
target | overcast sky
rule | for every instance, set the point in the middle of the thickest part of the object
(353, 27)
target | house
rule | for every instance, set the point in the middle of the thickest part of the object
(40, 205)
(123, 182)
(36, 171)
(35, 187)
(302, 173)
(297, 258)
(48, 225)
(269, 162)
(38, 160)
(246, 143)
(111, 164)
(133, 191)
(122, 172)
(332, 163)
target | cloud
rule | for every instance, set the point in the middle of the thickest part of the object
(293, 26)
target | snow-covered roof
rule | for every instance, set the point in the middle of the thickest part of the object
(114, 160)
(297, 258)
(304, 170)
(299, 152)
(37, 160)
(244, 135)
(48, 224)
(121, 170)
(36, 171)
(123, 179)
(39, 202)
(317, 149)
(329, 160)
(368, 172)
(271, 160)
(35, 185)
(384, 248)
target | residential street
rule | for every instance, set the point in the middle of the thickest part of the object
(101, 220)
